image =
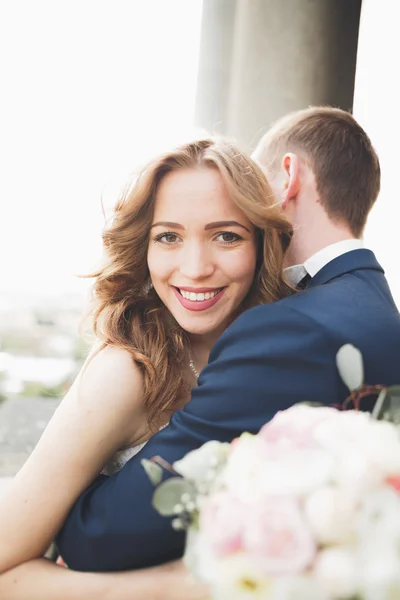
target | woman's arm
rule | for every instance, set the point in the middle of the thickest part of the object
(97, 417)
(42, 580)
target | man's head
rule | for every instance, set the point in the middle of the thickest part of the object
(320, 159)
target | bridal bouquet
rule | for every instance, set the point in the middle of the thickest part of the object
(307, 509)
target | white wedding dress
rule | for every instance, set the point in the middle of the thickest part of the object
(121, 457)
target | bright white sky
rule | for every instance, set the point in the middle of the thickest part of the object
(376, 106)
(89, 89)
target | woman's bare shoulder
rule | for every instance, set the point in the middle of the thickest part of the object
(110, 374)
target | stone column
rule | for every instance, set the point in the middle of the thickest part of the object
(376, 107)
(260, 59)
(215, 62)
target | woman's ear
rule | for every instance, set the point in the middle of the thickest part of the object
(291, 177)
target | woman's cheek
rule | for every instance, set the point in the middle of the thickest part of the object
(241, 264)
(159, 263)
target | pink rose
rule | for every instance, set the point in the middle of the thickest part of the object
(222, 523)
(394, 482)
(293, 428)
(272, 532)
(277, 536)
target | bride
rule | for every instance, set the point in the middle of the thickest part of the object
(195, 240)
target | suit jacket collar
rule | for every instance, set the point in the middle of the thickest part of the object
(350, 261)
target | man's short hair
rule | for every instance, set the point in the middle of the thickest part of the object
(339, 152)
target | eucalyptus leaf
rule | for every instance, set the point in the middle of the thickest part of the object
(377, 411)
(394, 391)
(153, 471)
(169, 494)
(387, 406)
(350, 366)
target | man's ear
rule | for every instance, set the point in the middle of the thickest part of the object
(291, 179)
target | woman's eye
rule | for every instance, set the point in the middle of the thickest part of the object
(228, 237)
(166, 238)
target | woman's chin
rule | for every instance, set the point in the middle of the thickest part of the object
(203, 330)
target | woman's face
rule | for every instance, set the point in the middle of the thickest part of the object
(202, 250)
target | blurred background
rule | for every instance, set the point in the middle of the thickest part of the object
(92, 88)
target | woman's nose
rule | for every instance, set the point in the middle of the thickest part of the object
(197, 261)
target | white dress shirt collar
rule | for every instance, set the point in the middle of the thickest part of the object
(317, 261)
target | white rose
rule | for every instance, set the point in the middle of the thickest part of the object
(243, 472)
(343, 432)
(354, 473)
(199, 558)
(253, 471)
(331, 514)
(301, 587)
(357, 433)
(381, 447)
(378, 518)
(239, 579)
(298, 472)
(336, 572)
(379, 571)
(200, 465)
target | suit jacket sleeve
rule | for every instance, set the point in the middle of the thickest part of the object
(263, 363)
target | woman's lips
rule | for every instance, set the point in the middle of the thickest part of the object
(197, 305)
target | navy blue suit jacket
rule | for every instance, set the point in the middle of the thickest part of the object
(271, 357)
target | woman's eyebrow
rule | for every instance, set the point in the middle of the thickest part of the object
(215, 225)
(168, 224)
(218, 224)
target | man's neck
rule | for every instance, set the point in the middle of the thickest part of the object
(312, 265)
(302, 247)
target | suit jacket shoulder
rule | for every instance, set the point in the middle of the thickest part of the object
(268, 359)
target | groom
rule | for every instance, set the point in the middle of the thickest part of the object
(326, 175)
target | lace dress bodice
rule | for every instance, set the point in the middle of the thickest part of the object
(121, 457)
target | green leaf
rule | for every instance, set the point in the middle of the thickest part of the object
(394, 392)
(153, 471)
(377, 411)
(350, 366)
(169, 494)
(387, 406)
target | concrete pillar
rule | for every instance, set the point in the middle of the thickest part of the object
(215, 60)
(260, 59)
(376, 106)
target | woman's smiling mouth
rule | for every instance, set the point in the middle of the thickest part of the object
(198, 298)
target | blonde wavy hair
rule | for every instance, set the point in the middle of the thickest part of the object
(127, 312)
